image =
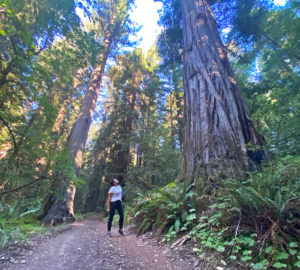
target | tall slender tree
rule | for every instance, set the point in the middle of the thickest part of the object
(217, 123)
(113, 23)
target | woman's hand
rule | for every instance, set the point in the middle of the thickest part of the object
(108, 209)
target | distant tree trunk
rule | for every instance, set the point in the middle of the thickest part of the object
(92, 190)
(122, 158)
(178, 101)
(95, 191)
(62, 207)
(171, 119)
(217, 123)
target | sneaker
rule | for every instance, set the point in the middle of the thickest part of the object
(108, 234)
(121, 232)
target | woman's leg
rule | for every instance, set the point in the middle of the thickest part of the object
(111, 216)
(121, 214)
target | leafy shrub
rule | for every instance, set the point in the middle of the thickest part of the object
(18, 219)
(165, 209)
(253, 223)
(269, 199)
(256, 222)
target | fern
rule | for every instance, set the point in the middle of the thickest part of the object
(268, 199)
(161, 209)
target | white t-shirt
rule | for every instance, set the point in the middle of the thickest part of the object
(116, 193)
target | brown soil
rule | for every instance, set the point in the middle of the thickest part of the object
(84, 245)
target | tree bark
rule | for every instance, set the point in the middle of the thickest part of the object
(179, 116)
(171, 119)
(217, 123)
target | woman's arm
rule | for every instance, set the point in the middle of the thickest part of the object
(108, 201)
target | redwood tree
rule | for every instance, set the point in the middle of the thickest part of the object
(217, 123)
(112, 24)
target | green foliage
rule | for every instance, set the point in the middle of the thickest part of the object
(167, 209)
(266, 60)
(37, 75)
(18, 220)
(45, 62)
(255, 222)
(170, 41)
(252, 224)
(30, 27)
(270, 194)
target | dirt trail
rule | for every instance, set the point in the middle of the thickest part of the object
(84, 245)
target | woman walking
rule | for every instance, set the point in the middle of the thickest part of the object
(114, 201)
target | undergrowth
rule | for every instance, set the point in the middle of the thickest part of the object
(167, 208)
(250, 224)
(18, 220)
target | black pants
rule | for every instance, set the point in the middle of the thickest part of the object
(113, 206)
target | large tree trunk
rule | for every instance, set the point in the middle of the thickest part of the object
(62, 207)
(217, 123)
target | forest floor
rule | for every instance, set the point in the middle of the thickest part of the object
(84, 245)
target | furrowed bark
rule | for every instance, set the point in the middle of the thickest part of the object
(217, 122)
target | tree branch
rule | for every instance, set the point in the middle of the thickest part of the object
(23, 186)
(42, 48)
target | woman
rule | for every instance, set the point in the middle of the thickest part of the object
(114, 201)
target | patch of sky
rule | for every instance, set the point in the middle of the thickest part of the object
(280, 2)
(145, 14)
